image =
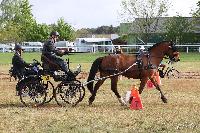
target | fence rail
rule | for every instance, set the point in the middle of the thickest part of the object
(105, 48)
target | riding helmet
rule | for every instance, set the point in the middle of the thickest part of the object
(18, 47)
(55, 33)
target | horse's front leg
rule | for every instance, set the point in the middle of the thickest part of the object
(114, 81)
(142, 84)
(155, 83)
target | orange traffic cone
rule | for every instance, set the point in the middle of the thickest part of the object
(135, 100)
(150, 84)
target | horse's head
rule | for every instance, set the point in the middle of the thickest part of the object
(173, 52)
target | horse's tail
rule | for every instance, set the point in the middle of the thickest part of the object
(93, 70)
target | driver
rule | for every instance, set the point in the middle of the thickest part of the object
(141, 52)
(18, 63)
(50, 52)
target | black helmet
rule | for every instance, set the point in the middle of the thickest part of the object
(55, 33)
(18, 47)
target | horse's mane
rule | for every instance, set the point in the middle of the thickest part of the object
(155, 45)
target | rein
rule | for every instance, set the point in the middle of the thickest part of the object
(116, 74)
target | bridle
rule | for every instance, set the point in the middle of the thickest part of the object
(174, 53)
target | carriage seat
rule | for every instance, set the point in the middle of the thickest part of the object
(48, 64)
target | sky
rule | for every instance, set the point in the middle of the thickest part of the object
(93, 13)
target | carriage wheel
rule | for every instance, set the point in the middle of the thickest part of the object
(50, 91)
(69, 93)
(173, 73)
(32, 93)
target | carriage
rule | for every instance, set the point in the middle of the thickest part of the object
(38, 88)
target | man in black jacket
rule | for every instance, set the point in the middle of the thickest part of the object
(50, 52)
(18, 63)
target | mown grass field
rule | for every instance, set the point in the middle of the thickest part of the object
(180, 114)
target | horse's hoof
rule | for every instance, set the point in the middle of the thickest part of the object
(122, 102)
(89, 103)
(164, 99)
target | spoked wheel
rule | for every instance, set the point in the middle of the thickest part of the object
(173, 73)
(69, 92)
(32, 92)
(49, 90)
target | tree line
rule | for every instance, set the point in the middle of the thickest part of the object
(17, 23)
(150, 13)
(87, 32)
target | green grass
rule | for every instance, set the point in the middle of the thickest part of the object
(190, 57)
(6, 58)
(180, 114)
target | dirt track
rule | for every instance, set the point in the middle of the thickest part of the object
(190, 75)
(84, 75)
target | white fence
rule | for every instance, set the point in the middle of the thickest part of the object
(108, 48)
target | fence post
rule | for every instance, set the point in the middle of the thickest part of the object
(187, 50)
(199, 49)
(93, 47)
(112, 49)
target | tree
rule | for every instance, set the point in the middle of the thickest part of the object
(10, 33)
(26, 21)
(144, 15)
(197, 12)
(65, 30)
(196, 16)
(177, 28)
(16, 19)
(81, 33)
(40, 32)
(9, 29)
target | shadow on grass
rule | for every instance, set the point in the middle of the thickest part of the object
(83, 105)
(10, 105)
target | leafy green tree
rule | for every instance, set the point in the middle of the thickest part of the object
(9, 29)
(84, 32)
(9, 9)
(144, 15)
(196, 16)
(10, 33)
(40, 32)
(16, 17)
(26, 21)
(177, 28)
(65, 30)
(87, 32)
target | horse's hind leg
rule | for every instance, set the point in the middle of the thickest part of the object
(96, 87)
(114, 81)
(142, 84)
(155, 83)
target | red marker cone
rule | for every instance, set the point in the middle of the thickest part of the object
(135, 100)
(150, 84)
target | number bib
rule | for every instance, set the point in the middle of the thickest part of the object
(46, 77)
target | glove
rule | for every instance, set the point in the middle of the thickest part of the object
(30, 65)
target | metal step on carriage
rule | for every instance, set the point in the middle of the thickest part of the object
(38, 88)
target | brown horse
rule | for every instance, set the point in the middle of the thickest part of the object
(126, 64)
